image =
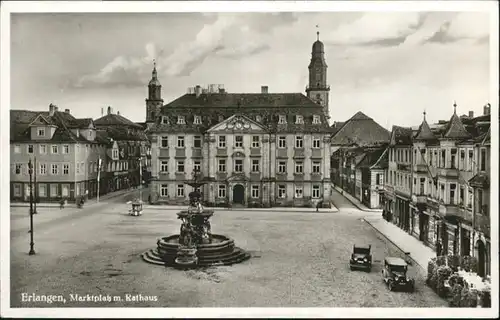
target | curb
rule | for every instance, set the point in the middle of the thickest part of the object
(355, 204)
(396, 245)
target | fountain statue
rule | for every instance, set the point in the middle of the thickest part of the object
(195, 246)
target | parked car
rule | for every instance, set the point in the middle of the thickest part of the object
(395, 275)
(361, 258)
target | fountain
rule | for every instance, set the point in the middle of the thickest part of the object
(195, 245)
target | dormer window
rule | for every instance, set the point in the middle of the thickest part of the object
(299, 119)
(41, 132)
(221, 118)
(164, 120)
(316, 119)
(197, 120)
(282, 119)
(181, 120)
(258, 119)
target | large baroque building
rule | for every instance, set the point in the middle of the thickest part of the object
(255, 149)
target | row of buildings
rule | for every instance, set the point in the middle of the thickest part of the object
(67, 153)
(432, 180)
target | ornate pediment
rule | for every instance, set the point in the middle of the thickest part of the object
(238, 177)
(238, 124)
(238, 154)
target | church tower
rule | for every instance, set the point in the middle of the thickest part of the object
(154, 102)
(318, 90)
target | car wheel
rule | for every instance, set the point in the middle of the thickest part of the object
(391, 286)
(350, 267)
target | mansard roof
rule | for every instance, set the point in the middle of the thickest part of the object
(362, 131)
(264, 108)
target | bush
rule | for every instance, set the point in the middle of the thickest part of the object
(431, 265)
(443, 273)
(456, 295)
(485, 298)
(469, 264)
(468, 298)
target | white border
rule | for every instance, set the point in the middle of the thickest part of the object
(226, 6)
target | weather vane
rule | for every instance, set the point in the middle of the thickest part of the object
(317, 32)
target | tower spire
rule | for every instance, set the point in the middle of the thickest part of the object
(317, 32)
(424, 114)
(154, 69)
(455, 107)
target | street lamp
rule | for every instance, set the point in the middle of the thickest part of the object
(36, 190)
(32, 244)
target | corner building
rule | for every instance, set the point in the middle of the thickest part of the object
(254, 149)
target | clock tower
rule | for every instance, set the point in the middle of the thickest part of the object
(154, 102)
(318, 90)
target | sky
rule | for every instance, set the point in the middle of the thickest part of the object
(392, 66)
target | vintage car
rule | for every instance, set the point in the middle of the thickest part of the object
(361, 258)
(395, 275)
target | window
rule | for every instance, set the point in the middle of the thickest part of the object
(180, 142)
(483, 159)
(17, 190)
(377, 179)
(54, 190)
(18, 167)
(255, 191)
(282, 142)
(43, 169)
(452, 193)
(443, 159)
(255, 165)
(316, 143)
(180, 166)
(197, 120)
(222, 141)
(316, 119)
(197, 141)
(41, 132)
(462, 195)
(82, 167)
(282, 167)
(17, 148)
(471, 159)
(180, 190)
(197, 165)
(164, 190)
(316, 167)
(181, 120)
(55, 169)
(461, 165)
(42, 190)
(258, 119)
(221, 118)
(281, 191)
(299, 119)
(315, 192)
(164, 142)
(78, 168)
(255, 142)
(115, 153)
(30, 148)
(299, 191)
(164, 166)
(65, 149)
(55, 149)
(65, 190)
(222, 191)
(299, 142)
(164, 120)
(299, 167)
(453, 158)
(282, 119)
(222, 165)
(43, 149)
(238, 141)
(238, 165)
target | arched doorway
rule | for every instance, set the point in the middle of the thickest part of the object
(481, 258)
(238, 194)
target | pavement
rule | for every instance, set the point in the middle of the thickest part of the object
(354, 201)
(298, 260)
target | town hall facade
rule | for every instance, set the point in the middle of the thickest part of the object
(254, 149)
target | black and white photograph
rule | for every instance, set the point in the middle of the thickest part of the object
(254, 158)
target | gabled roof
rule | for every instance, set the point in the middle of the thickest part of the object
(455, 129)
(115, 120)
(480, 180)
(424, 132)
(41, 120)
(372, 158)
(401, 136)
(361, 130)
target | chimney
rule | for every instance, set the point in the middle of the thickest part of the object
(66, 110)
(197, 91)
(52, 109)
(56, 109)
(118, 112)
(110, 111)
(486, 109)
(222, 90)
(264, 89)
(102, 112)
(471, 114)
